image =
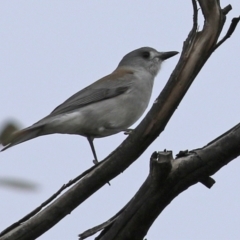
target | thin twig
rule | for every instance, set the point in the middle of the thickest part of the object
(194, 27)
(44, 204)
(229, 32)
(101, 226)
(227, 9)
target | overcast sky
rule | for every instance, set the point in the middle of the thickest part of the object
(51, 49)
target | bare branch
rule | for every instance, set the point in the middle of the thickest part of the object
(229, 33)
(135, 219)
(45, 203)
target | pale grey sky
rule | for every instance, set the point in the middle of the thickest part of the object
(51, 49)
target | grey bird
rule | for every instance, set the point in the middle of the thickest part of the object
(106, 107)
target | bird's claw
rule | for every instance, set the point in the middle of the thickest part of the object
(95, 161)
(128, 131)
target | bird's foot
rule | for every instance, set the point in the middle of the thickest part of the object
(128, 131)
(95, 161)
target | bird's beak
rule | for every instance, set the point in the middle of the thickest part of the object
(166, 55)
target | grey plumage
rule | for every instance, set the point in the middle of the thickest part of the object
(108, 106)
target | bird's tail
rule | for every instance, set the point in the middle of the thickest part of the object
(20, 136)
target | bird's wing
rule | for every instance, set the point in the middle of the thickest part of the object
(108, 87)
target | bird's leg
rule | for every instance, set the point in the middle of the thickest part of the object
(128, 131)
(95, 161)
(90, 140)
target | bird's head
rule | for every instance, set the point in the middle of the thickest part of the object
(146, 58)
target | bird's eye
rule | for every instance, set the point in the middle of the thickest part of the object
(146, 55)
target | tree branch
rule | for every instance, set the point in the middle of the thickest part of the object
(230, 31)
(166, 180)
